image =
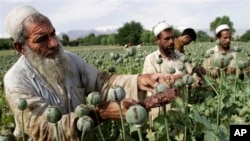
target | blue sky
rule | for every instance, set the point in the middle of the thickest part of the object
(105, 14)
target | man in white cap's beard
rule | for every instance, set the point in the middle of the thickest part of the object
(46, 75)
(221, 49)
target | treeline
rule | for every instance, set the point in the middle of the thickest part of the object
(132, 33)
(5, 43)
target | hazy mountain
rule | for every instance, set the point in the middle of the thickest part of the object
(74, 34)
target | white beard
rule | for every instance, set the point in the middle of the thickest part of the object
(53, 71)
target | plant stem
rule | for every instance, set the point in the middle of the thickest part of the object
(220, 98)
(130, 65)
(166, 121)
(139, 132)
(235, 83)
(83, 133)
(122, 121)
(98, 126)
(245, 86)
(23, 127)
(186, 112)
(57, 132)
(150, 129)
(211, 86)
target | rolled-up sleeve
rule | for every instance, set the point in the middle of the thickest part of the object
(95, 80)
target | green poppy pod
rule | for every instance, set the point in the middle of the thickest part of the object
(136, 114)
(242, 64)
(217, 42)
(53, 114)
(125, 60)
(183, 59)
(223, 53)
(222, 62)
(230, 57)
(171, 70)
(85, 123)
(237, 49)
(181, 67)
(160, 88)
(178, 83)
(82, 110)
(131, 51)
(248, 61)
(22, 104)
(114, 55)
(211, 51)
(94, 98)
(159, 60)
(111, 69)
(99, 62)
(116, 93)
(137, 60)
(140, 55)
(188, 79)
(207, 55)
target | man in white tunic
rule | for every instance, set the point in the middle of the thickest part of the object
(46, 75)
(222, 49)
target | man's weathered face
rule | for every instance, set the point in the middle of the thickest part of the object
(45, 53)
(42, 39)
(225, 38)
(166, 41)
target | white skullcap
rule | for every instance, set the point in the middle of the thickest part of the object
(160, 27)
(16, 17)
(221, 27)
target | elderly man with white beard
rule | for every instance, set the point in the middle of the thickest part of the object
(46, 75)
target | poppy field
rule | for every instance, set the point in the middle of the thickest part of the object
(202, 113)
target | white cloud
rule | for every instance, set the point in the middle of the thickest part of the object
(106, 28)
(96, 14)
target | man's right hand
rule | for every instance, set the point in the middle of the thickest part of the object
(109, 110)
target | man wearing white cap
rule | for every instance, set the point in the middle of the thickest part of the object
(164, 38)
(223, 35)
(46, 75)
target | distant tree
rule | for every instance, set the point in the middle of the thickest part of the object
(6, 43)
(145, 36)
(73, 43)
(177, 32)
(129, 32)
(91, 39)
(65, 39)
(99, 38)
(202, 36)
(221, 20)
(104, 40)
(111, 39)
(152, 38)
(246, 36)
